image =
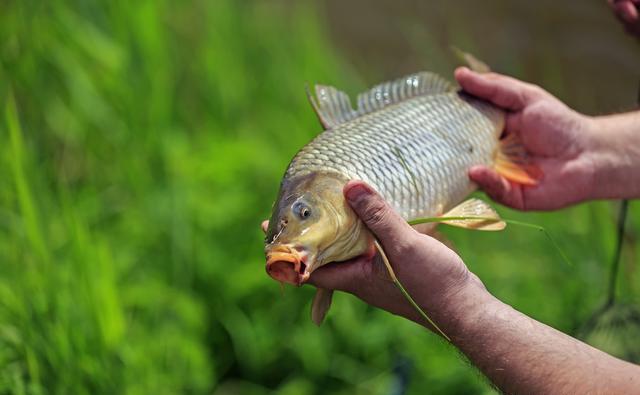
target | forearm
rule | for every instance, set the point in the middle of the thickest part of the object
(615, 154)
(523, 356)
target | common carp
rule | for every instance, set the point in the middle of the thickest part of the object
(414, 140)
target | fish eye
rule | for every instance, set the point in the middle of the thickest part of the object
(305, 213)
(301, 210)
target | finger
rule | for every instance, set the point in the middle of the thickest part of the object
(265, 225)
(615, 2)
(388, 227)
(499, 89)
(632, 11)
(627, 11)
(340, 276)
(497, 187)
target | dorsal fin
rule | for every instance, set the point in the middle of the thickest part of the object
(331, 105)
(418, 84)
(471, 61)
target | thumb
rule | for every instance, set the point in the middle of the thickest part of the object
(388, 227)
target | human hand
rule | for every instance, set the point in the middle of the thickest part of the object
(428, 270)
(557, 140)
(627, 12)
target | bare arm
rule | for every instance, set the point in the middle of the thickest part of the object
(523, 356)
(616, 153)
(518, 354)
(581, 157)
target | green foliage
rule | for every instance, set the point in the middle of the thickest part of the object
(142, 143)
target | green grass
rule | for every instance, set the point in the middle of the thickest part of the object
(141, 145)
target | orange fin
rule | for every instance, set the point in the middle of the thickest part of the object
(512, 162)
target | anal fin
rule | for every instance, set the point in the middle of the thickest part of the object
(320, 305)
(474, 214)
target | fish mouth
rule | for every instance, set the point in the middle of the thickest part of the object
(287, 265)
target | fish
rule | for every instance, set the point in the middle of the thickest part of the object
(413, 139)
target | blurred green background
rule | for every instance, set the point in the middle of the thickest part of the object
(141, 143)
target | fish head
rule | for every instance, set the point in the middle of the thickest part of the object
(312, 225)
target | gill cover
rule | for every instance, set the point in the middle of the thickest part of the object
(311, 225)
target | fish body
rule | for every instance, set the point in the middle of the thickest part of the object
(415, 153)
(414, 140)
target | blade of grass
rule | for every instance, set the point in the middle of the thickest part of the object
(24, 193)
(508, 221)
(405, 293)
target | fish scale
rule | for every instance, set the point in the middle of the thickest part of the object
(439, 137)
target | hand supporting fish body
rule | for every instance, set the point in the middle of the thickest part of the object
(413, 139)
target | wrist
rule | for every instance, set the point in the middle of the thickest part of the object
(459, 311)
(614, 152)
(590, 157)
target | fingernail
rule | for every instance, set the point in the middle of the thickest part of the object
(357, 193)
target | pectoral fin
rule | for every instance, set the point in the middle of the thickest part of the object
(474, 214)
(320, 305)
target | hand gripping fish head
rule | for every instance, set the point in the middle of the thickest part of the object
(311, 225)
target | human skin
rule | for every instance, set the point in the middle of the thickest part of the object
(627, 12)
(517, 353)
(581, 158)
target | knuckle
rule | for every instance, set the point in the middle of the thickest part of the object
(375, 215)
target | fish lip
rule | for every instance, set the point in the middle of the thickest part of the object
(287, 264)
